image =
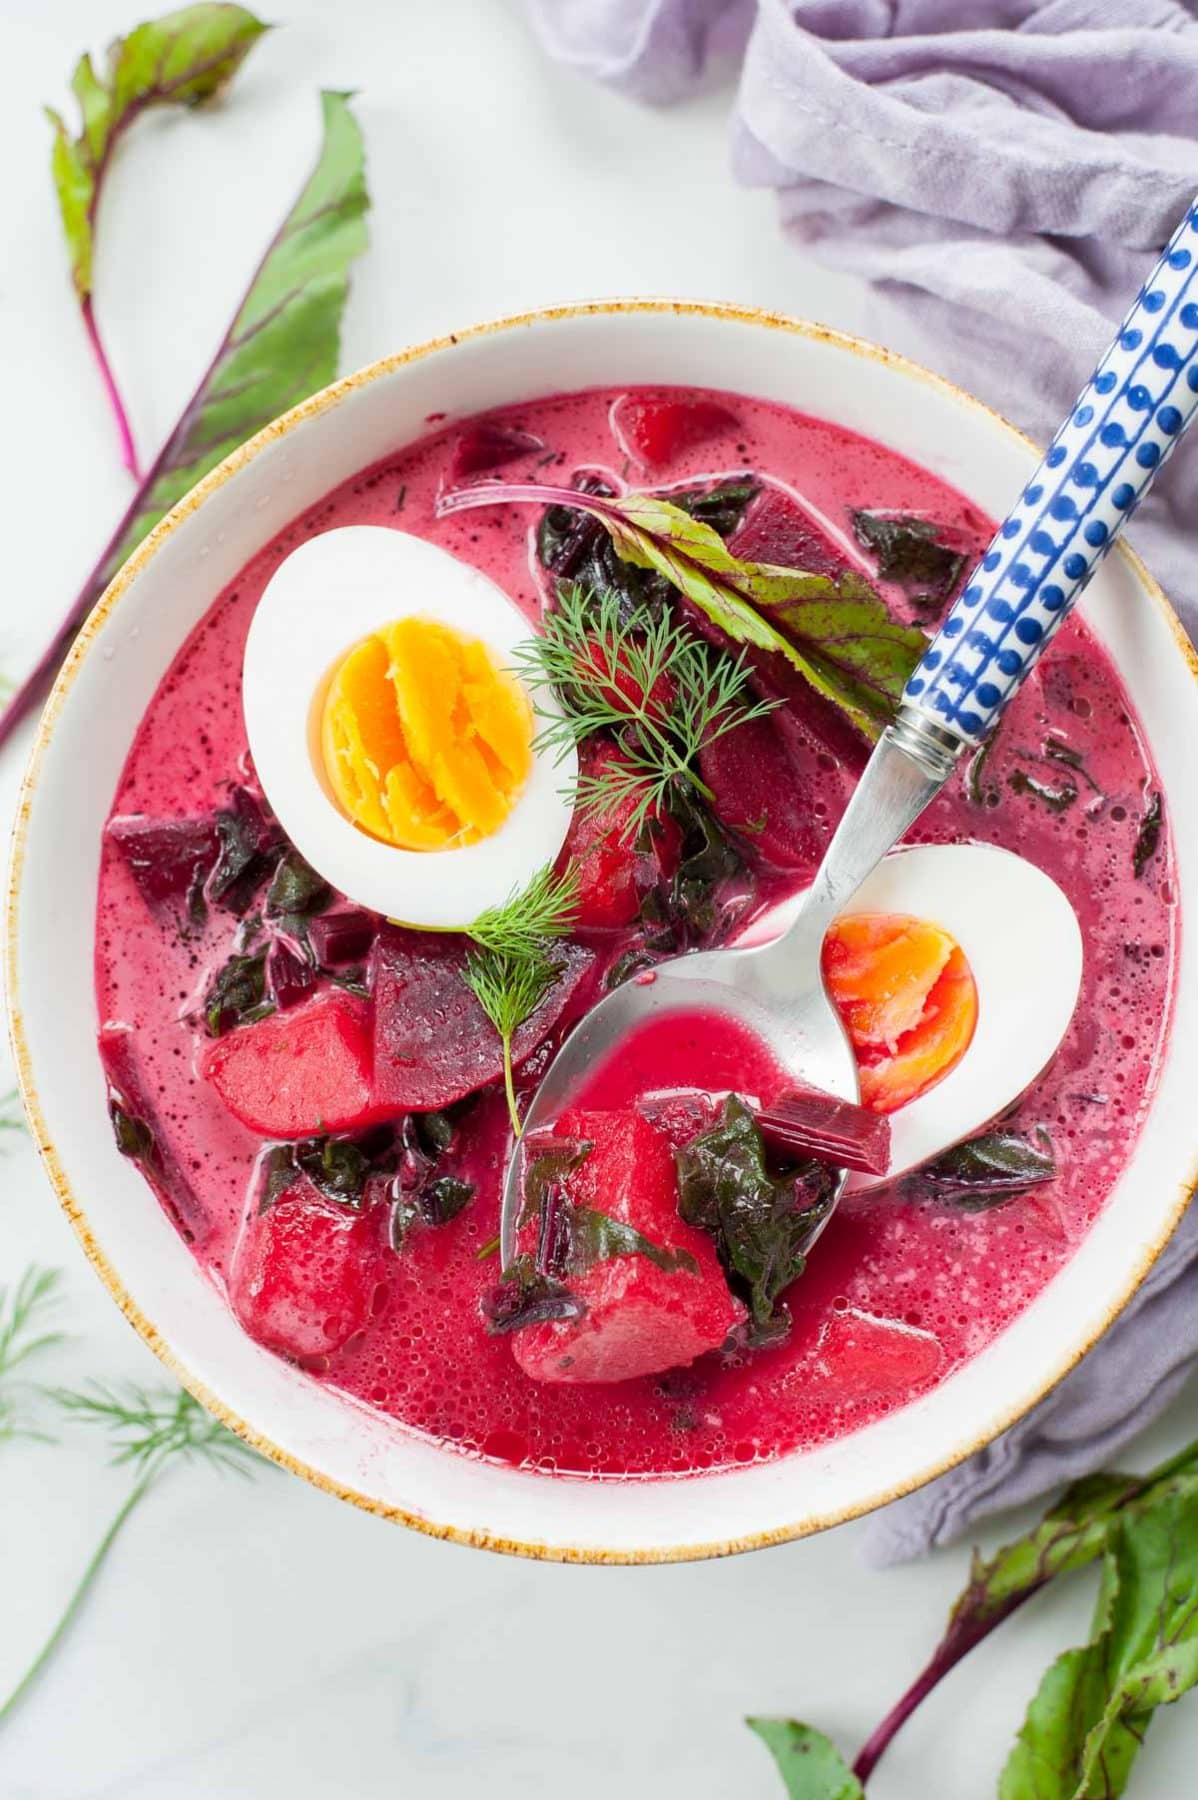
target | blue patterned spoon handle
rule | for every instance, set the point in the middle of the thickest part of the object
(1124, 426)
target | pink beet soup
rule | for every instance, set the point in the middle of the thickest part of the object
(361, 1244)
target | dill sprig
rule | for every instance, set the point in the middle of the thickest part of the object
(149, 1431)
(663, 691)
(25, 1313)
(545, 908)
(148, 1428)
(513, 966)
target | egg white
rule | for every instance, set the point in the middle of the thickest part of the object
(330, 593)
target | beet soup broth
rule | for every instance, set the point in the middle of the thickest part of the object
(907, 1282)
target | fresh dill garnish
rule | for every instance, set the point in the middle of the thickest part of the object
(149, 1430)
(663, 691)
(25, 1314)
(148, 1427)
(513, 967)
(545, 908)
(509, 987)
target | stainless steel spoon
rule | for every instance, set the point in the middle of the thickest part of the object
(1122, 429)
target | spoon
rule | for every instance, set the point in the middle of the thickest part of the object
(1027, 982)
(1122, 429)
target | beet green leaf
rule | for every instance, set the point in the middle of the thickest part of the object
(284, 341)
(281, 346)
(1086, 1724)
(1088, 1718)
(837, 633)
(810, 1765)
(181, 59)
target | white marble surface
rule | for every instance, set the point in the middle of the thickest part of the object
(260, 1640)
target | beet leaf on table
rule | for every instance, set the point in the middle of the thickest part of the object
(1086, 1722)
(282, 343)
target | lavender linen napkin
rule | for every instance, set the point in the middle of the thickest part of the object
(1002, 172)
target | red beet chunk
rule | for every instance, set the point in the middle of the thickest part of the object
(654, 431)
(433, 1043)
(490, 446)
(639, 1319)
(861, 1357)
(621, 687)
(167, 858)
(680, 1115)
(306, 1272)
(807, 1122)
(289, 978)
(776, 529)
(342, 937)
(299, 1073)
(143, 1134)
(613, 875)
(762, 780)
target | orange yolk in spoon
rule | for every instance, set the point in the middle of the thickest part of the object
(908, 1000)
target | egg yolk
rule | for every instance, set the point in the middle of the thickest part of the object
(908, 1000)
(426, 741)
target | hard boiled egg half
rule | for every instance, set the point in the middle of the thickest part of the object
(390, 730)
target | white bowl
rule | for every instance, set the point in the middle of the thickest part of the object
(82, 743)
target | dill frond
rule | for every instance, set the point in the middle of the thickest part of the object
(663, 691)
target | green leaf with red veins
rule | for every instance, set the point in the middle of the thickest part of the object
(1077, 1531)
(810, 1765)
(180, 59)
(284, 341)
(1086, 1724)
(838, 633)
(282, 345)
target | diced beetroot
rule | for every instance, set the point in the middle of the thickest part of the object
(654, 431)
(806, 1122)
(805, 718)
(130, 1091)
(433, 1043)
(762, 780)
(167, 858)
(305, 1273)
(861, 1357)
(342, 937)
(613, 874)
(681, 1114)
(289, 978)
(639, 1319)
(776, 529)
(299, 1073)
(622, 689)
(489, 446)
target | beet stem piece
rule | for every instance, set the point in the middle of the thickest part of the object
(807, 1122)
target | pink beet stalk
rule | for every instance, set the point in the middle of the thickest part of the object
(536, 493)
(809, 1123)
(124, 429)
(961, 1637)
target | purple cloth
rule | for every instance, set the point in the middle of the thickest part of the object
(1001, 172)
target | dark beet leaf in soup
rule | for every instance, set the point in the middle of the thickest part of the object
(716, 601)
